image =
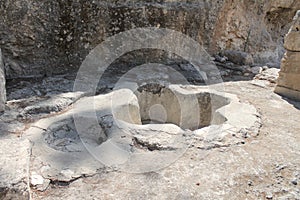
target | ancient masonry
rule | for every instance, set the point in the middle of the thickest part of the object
(289, 76)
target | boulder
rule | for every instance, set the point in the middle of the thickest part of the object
(2, 85)
(238, 57)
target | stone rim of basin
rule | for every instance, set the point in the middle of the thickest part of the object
(129, 145)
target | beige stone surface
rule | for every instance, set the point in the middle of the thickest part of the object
(14, 168)
(281, 4)
(293, 94)
(291, 62)
(68, 148)
(289, 80)
(292, 39)
(265, 166)
(288, 83)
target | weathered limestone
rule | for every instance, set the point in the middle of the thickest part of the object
(292, 39)
(238, 57)
(289, 75)
(14, 168)
(2, 85)
(108, 127)
(48, 40)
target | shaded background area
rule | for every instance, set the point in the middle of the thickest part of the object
(46, 37)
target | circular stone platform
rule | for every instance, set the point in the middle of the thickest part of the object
(121, 130)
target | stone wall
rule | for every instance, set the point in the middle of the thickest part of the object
(51, 37)
(289, 75)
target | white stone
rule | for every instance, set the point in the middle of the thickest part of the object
(67, 173)
(36, 179)
(256, 70)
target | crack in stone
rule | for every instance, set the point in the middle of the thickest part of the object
(151, 147)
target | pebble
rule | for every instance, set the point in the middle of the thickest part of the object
(269, 196)
(67, 173)
(250, 183)
(44, 186)
(294, 182)
(265, 67)
(36, 179)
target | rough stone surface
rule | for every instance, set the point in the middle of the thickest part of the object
(51, 104)
(44, 38)
(2, 84)
(288, 82)
(269, 74)
(14, 168)
(58, 144)
(292, 39)
(119, 122)
(254, 168)
(58, 153)
(238, 57)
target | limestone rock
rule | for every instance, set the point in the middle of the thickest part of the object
(290, 62)
(54, 103)
(292, 39)
(107, 129)
(256, 70)
(14, 168)
(2, 84)
(270, 74)
(238, 57)
(277, 4)
(289, 76)
(65, 38)
(36, 179)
